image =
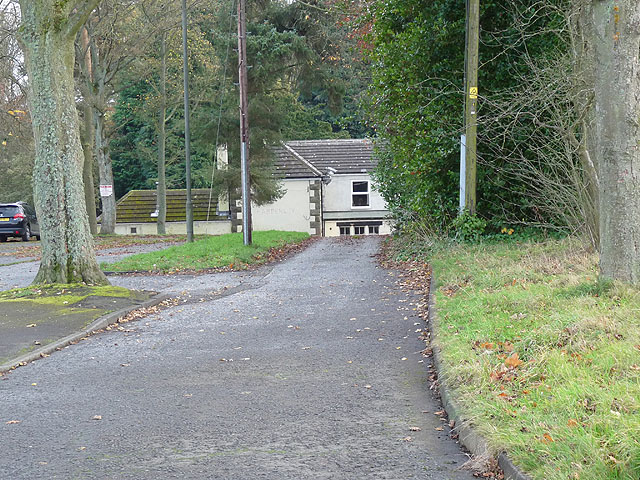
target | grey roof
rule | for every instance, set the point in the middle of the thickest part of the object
(136, 206)
(306, 158)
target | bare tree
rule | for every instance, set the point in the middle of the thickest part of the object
(544, 130)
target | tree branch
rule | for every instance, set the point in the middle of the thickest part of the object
(79, 16)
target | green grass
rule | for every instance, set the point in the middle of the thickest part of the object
(210, 252)
(571, 410)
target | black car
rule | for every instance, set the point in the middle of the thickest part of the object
(18, 220)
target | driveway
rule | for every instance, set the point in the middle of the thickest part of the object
(310, 369)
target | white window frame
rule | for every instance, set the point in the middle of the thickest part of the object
(367, 193)
(348, 230)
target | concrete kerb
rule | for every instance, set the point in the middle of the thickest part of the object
(467, 436)
(96, 325)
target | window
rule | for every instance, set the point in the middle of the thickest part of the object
(374, 230)
(360, 194)
(345, 230)
(9, 211)
(358, 230)
(134, 230)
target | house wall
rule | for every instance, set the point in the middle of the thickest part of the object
(290, 213)
(337, 195)
(217, 227)
(331, 228)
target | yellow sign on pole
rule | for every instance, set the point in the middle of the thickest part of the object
(473, 93)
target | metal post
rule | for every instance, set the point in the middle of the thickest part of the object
(244, 123)
(187, 136)
(471, 103)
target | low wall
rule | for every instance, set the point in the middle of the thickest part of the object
(217, 227)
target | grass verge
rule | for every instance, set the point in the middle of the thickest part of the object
(542, 357)
(215, 252)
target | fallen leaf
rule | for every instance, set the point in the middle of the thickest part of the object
(513, 361)
(546, 438)
(97, 417)
(367, 387)
(13, 422)
(572, 423)
(439, 428)
(31, 325)
(408, 439)
(415, 429)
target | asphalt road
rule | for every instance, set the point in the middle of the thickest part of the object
(310, 369)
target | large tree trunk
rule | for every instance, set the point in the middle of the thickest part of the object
(616, 42)
(47, 36)
(162, 140)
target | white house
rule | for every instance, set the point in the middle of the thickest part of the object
(328, 190)
(328, 193)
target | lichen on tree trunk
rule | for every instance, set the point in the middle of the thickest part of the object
(47, 36)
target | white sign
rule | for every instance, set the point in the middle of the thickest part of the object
(106, 190)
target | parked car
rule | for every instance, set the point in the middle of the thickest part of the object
(18, 220)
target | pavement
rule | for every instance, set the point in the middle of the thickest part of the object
(307, 369)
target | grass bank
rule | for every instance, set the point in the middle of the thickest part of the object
(543, 358)
(223, 251)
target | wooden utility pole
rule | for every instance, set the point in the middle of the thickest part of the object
(471, 103)
(244, 123)
(187, 135)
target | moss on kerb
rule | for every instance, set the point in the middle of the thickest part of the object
(64, 294)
